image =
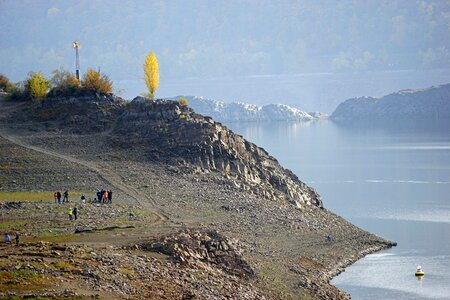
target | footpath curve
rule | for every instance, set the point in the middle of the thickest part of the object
(109, 176)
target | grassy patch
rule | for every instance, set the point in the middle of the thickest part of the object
(37, 196)
(127, 271)
(65, 266)
(274, 275)
(54, 237)
(309, 264)
(11, 166)
(23, 280)
(12, 224)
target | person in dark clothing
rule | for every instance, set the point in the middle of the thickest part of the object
(66, 196)
(6, 238)
(110, 197)
(83, 199)
(58, 195)
(99, 196)
(75, 212)
(17, 238)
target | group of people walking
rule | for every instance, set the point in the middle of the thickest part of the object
(57, 197)
(102, 196)
(7, 238)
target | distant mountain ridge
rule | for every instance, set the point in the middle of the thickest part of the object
(432, 104)
(238, 111)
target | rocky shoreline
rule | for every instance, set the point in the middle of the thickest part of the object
(407, 107)
(215, 213)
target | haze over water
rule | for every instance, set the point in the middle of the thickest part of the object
(394, 182)
(306, 91)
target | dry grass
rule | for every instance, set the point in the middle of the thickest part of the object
(62, 265)
(309, 264)
(24, 280)
(11, 224)
(55, 238)
(36, 196)
(127, 271)
(11, 166)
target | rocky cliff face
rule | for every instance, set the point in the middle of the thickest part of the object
(171, 132)
(419, 105)
(167, 132)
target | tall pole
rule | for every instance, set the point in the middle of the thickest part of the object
(76, 45)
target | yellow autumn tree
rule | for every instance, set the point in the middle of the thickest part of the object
(151, 72)
(95, 81)
(63, 79)
(37, 85)
(183, 101)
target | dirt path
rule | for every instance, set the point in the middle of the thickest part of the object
(108, 175)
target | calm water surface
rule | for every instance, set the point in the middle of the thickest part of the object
(392, 182)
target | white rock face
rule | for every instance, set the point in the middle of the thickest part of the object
(426, 104)
(245, 112)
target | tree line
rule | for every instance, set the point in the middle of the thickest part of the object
(64, 83)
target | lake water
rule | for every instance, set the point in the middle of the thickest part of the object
(392, 182)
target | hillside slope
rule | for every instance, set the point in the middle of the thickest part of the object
(205, 211)
(432, 104)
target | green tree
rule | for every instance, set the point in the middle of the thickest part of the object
(37, 85)
(95, 81)
(151, 73)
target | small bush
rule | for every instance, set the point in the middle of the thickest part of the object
(37, 85)
(95, 81)
(183, 101)
(20, 92)
(64, 83)
(6, 85)
(63, 78)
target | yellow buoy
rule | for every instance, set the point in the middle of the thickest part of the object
(419, 271)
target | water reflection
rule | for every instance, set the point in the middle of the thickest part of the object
(394, 182)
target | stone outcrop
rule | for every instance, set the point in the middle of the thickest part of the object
(85, 114)
(202, 246)
(432, 104)
(60, 271)
(175, 132)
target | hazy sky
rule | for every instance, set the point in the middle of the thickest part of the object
(224, 39)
